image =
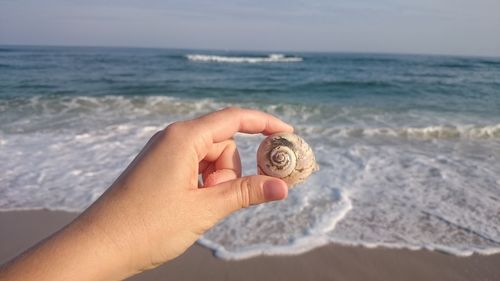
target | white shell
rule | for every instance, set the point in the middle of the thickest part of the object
(286, 156)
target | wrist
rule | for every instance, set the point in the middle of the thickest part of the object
(98, 255)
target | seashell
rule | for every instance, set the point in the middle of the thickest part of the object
(286, 156)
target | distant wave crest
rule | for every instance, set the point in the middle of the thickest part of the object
(231, 59)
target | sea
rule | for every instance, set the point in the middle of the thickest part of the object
(408, 145)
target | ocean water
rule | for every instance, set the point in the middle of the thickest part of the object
(409, 146)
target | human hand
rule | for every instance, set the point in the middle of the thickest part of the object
(157, 208)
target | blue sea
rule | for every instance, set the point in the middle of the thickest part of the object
(409, 145)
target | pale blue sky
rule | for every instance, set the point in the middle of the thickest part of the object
(468, 27)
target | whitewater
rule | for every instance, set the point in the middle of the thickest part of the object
(409, 147)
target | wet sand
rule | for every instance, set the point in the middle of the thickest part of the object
(21, 229)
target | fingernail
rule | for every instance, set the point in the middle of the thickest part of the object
(275, 189)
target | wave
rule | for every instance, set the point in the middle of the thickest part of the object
(231, 59)
(451, 132)
(305, 231)
(350, 123)
(435, 196)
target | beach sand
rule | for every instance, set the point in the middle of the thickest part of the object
(21, 229)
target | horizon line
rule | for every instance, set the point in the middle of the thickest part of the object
(253, 50)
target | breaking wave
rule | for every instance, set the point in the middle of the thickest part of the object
(445, 132)
(234, 59)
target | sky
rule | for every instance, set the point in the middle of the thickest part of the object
(455, 27)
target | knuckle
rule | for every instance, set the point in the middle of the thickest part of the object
(159, 136)
(243, 193)
(172, 132)
(173, 127)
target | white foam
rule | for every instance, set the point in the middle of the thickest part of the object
(298, 247)
(384, 180)
(295, 226)
(449, 132)
(429, 247)
(231, 59)
(430, 195)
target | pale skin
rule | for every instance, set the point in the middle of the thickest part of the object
(157, 208)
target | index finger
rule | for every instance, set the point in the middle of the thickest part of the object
(223, 124)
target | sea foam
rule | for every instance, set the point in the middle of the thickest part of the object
(403, 185)
(234, 59)
(445, 132)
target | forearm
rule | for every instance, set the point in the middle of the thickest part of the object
(77, 252)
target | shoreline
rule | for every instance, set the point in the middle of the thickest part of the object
(20, 230)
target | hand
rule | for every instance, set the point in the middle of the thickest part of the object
(157, 208)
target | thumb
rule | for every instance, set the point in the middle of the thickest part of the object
(242, 192)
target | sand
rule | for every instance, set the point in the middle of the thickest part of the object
(21, 229)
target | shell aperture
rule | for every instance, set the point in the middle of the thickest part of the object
(286, 156)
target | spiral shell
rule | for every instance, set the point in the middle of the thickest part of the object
(286, 156)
